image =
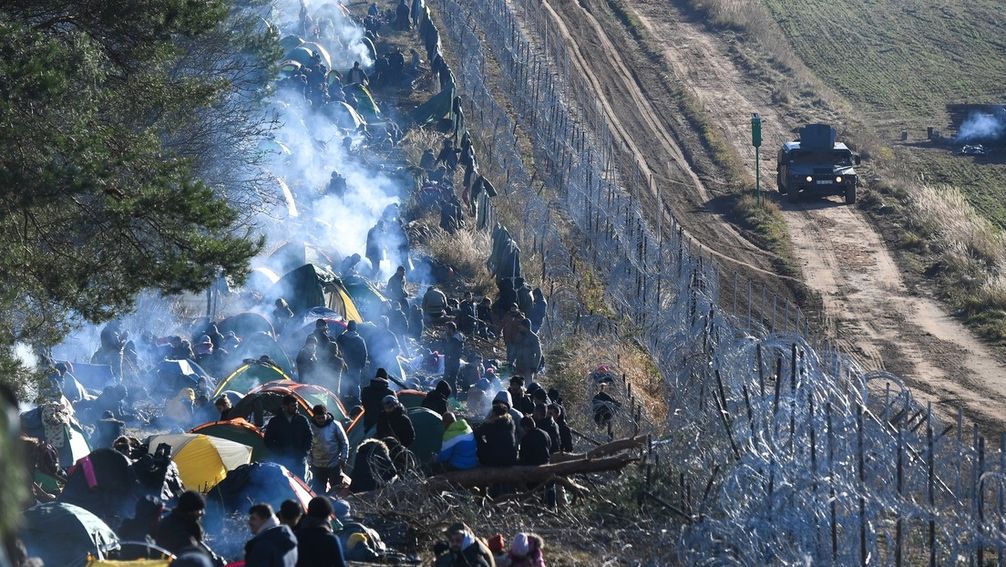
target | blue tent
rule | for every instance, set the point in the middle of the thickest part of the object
(182, 374)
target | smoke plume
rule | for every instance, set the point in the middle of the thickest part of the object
(982, 127)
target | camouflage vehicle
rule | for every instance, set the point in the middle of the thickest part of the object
(817, 165)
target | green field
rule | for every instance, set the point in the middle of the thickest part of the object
(900, 62)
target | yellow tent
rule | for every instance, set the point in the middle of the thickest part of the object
(203, 461)
(134, 563)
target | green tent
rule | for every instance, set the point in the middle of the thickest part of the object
(367, 298)
(411, 398)
(250, 375)
(62, 535)
(239, 431)
(365, 102)
(429, 427)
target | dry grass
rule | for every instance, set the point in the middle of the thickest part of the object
(466, 251)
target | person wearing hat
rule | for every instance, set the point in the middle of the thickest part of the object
(520, 401)
(436, 400)
(288, 437)
(394, 422)
(183, 528)
(372, 398)
(318, 546)
(465, 549)
(526, 551)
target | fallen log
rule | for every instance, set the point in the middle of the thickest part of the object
(485, 476)
(603, 450)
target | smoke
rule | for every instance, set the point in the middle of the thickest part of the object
(982, 127)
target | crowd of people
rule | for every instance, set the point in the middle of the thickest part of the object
(493, 408)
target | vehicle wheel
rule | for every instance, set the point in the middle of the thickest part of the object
(779, 185)
(793, 196)
(850, 195)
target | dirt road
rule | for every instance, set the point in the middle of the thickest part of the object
(868, 307)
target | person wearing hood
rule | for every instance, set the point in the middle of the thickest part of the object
(372, 467)
(317, 544)
(288, 437)
(307, 359)
(525, 551)
(394, 422)
(436, 400)
(281, 315)
(464, 549)
(273, 544)
(329, 450)
(458, 451)
(539, 308)
(372, 398)
(496, 438)
(536, 446)
(503, 397)
(521, 401)
(453, 348)
(527, 355)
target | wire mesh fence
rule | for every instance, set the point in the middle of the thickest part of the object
(796, 453)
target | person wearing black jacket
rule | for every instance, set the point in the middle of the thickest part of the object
(288, 437)
(535, 447)
(496, 439)
(372, 398)
(394, 422)
(521, 401)
(317, 545)
(548, 425)
(182, 529)
(354, 352)
(273, 544)
(556, 412)
(145, 520)
(437, 399)
(372, 467)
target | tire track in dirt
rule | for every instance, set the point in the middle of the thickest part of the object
(868, 306)
(670, 162)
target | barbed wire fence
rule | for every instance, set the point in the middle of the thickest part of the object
(803, 455)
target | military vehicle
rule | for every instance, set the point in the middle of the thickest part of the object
(817, 165)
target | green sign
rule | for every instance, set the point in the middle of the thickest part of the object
(756, 130)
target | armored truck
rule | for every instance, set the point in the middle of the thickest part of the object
(817, 165)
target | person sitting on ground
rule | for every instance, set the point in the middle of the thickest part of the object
(329, 450)
(496, 439)
(290, 513)
(525, 551)
(317, 544)
(436, 400)
(536, 446)
(394, 422)
(465, 549)
(272, 544)
(372, 398)
(458, 451)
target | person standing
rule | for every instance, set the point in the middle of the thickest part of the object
(272, 544)
(317, 545)
(288, 437)
(329, 450)
(354, 353)
(394, 422)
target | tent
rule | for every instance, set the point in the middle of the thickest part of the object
(317, 48)
(433, 110)
(294, 254)
(245, 324)
(259, 344)
(54, 424)
(93, 376)
(429, 433)
(177, 374)
(411, 398)
(311, 286)
(204, 461)
(251, 484)
(365, 296)
(301, 54)
(344, 115)
(267, 398)
(249, 375)
(62, 535)
(103, 483)
(239, 431)
(290, 41)
(365, 103)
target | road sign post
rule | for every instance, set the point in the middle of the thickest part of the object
(756, 142)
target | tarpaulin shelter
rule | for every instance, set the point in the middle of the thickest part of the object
(249, 375)
(93, 376)
(204, 461)
(268, 398)
(62, 535)
(251, 484)
(239, 431)
(429, 428)
(103, 483)
(53, 423)
(433, 110)
(312, 286)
